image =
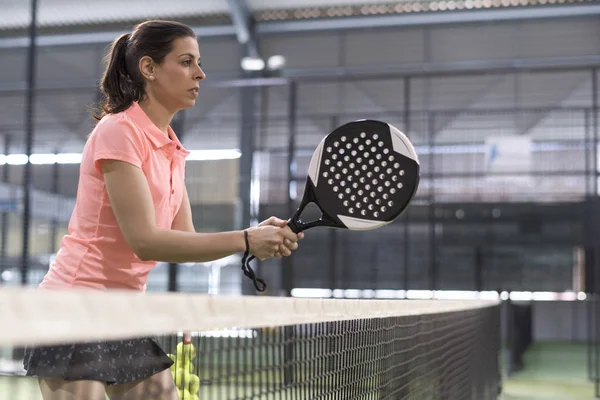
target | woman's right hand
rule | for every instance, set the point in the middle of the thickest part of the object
(266, 240)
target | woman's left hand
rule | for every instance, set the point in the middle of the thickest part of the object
(288, 246)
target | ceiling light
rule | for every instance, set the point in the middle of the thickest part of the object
(252, 64)
(276, 62)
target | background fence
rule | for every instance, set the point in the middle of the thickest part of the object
(472, 226)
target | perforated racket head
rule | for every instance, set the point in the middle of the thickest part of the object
(362, 176)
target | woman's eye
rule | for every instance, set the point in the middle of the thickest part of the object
(187, 62)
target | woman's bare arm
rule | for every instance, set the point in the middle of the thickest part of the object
(132, 204)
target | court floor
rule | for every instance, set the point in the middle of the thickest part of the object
(553, 371)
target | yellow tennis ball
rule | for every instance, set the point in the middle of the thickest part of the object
(186, 351)
(177, 362)
(194, 384)
(186, 395)
(182, 378)
(188, 366)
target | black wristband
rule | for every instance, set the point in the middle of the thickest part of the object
(246, 241)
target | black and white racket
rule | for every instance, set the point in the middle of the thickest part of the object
(362, 176)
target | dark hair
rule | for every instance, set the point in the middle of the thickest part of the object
(122, 83)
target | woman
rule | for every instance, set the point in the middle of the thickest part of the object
(132, 210)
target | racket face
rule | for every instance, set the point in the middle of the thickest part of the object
(362, 176)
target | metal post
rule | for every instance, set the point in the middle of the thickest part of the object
(589, 273)
(586, 249)
(4, 217)
(595, 273)
(595, 129)
(433, 271)
(478, 268)
(260, 145)
(407, 87)
(29, 132)
(333, 235)
(407, 128)
(54, 221)
(595, 300)
(596, 263)
(172, 278)
(588, 142)
(247, 133)
(264, 118)
(288, 264)
(249, 47)
(374, 266)
(591, 282)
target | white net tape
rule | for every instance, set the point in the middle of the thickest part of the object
(46, 317)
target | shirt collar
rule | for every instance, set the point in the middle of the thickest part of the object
(156, 136)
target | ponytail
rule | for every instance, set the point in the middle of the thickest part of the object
(119, 85)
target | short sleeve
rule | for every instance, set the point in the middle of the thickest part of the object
(118, 139)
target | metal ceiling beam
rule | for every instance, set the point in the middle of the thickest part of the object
(242, 18)
(74, 39)
(232, 81)
(349, 23)
(428, 18)
(457, 68)
(550, 64)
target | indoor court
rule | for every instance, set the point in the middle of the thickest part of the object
(436, 163)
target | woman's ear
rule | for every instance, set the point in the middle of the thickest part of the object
(147, 68)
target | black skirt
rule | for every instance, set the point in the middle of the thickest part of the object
(112, 362)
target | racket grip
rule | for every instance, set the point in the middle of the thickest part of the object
(294, 226)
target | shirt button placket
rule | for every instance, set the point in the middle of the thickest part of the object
(171, 174)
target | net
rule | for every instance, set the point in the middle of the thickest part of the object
(271, 348)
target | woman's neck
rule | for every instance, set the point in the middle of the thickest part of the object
(158, 114)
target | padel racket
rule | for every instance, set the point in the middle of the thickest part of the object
(362, 176)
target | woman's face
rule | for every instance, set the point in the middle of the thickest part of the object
(175, 82)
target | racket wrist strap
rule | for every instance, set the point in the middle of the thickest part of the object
(259, 284)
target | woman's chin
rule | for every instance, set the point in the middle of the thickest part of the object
(187, 103)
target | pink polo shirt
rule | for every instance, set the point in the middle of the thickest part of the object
(94, 253)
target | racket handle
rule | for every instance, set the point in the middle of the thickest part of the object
(293, 226)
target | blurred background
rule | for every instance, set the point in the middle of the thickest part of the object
(500, 98)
